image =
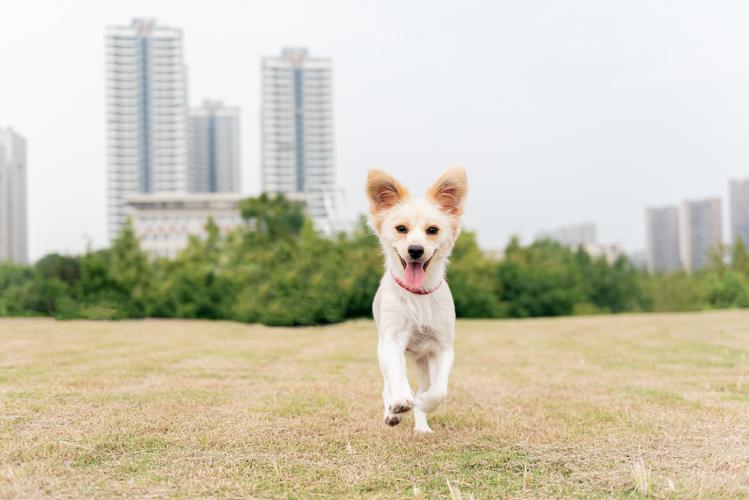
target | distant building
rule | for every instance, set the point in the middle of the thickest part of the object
(739, 200)
(13, 215)
(663, 241)
(146, 114)
(163, 222)
(214, 149)
(583, 236)
(573, 235)
(703, 231)
(609, 252)
(297, 132)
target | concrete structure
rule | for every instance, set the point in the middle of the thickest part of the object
(609, 252)
(703, 231)
(583, 236)
(214, 149)
(164, 222)
(574, 235)
(739, 200)
(13, 214)
(297, 132)
(146, 114)
(663, 252)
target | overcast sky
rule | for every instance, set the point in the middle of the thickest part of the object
(562, 112)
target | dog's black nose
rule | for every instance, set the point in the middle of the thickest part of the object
(415, 251)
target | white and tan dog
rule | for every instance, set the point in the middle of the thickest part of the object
(413, 308)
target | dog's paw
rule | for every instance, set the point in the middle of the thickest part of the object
(429, 401)
(423, 430)
(392, 420)
(401, 405)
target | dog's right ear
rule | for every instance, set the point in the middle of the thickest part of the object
(384, 191)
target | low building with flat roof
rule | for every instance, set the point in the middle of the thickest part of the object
(164, 222)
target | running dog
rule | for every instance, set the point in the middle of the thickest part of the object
(413, 307)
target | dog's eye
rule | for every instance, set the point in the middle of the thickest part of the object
(401, 229)
(433, 230)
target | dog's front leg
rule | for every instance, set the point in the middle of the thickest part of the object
(440, 365)
(397, 394)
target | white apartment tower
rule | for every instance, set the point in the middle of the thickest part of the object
(703, 231)
(663, 248)
(739, 194)
(297, 131)
(146, 114)
(214, 149)
(13, 224)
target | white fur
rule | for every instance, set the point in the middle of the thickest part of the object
(421, 327)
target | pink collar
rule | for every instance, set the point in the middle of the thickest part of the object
(417, 291)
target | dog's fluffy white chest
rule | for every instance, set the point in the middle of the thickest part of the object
(423, 341)
(423, 323)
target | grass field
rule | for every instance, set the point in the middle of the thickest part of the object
(591, 406)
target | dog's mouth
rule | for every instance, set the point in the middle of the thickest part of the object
(415, 270)
(425, 264)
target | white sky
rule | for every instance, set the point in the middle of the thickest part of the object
(562, 112)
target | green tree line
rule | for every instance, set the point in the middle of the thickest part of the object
(277, 270)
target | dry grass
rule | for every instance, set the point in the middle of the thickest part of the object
(622, 406)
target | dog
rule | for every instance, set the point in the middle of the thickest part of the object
(413, 308)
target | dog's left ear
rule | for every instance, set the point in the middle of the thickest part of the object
(449, 191)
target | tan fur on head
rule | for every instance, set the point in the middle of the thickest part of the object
(449, 191)
(384, 192)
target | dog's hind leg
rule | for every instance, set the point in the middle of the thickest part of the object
(439, 373)
(420, 418)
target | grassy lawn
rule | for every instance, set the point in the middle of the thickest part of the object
(620, 406)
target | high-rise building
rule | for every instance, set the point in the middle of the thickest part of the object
(703, 231)
(13, 223)
(214, 149)
(663, 247)
(739, 191)
(146, 114)
(297, 131)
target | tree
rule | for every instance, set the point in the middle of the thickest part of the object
(196, 283)
(472, 279)
(740, 258)
(273, 216)
(118, 282)
(66, 269)
(538, 280)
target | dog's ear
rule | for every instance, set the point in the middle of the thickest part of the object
(449, 191)
(384, 191)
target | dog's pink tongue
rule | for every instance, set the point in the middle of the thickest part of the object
(414, 274)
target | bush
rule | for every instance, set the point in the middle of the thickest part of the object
(277, 270)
